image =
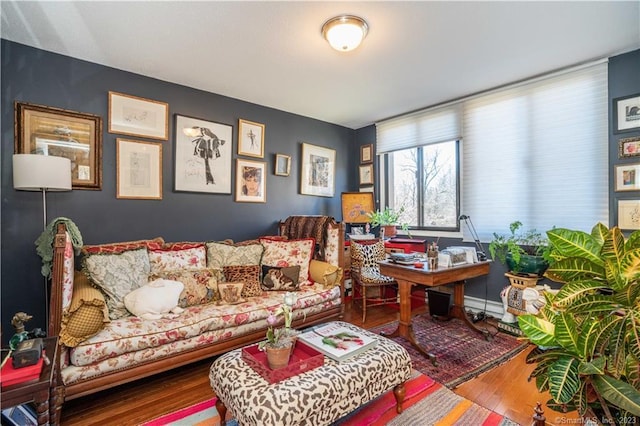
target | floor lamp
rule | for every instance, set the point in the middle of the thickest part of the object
(34, 172)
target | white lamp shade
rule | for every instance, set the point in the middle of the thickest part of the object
(33, 172)
(345, 33)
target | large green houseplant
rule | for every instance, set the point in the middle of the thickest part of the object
(589, 331)
(522, 251)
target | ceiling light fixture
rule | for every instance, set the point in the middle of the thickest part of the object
(345, 32)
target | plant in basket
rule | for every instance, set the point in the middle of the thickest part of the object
(280, 340)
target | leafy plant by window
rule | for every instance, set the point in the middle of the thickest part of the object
(516, 244)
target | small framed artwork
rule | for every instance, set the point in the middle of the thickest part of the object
(283, 165)
(134, 116)
(250, 139)
(628, 177)
(318, 170)
(366, 153)
(139, 170)
(626, 113)
(202, 156)
(62, 133)
(629, 147)
(366, 174)
(251, 181)
(629, 214)
(20, 415)
(356, 205)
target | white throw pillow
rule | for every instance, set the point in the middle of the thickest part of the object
(155, 300)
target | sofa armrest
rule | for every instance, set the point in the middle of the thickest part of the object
(325, 273)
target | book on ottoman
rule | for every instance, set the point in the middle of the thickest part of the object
(337, 342)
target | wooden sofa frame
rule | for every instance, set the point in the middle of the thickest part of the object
(60, 392)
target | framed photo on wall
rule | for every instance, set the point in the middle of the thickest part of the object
(139, 170)
(366, 174)
(202, 156)
(251, 181)
(250, 139)
(74, 135)
(629, 214)
(283, 165)
(627, 177)
(356, 205)
(131, 115)
(629, 147)
(626, 113)
(366, 153)
(318, 170)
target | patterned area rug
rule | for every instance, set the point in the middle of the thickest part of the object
(426, 403)
(462, 354)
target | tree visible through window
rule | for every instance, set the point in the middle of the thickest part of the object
(424, 180)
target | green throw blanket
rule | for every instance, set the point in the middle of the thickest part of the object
(44, 243)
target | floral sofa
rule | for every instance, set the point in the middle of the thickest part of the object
(104, 345)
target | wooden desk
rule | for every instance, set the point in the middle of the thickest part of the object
(37, 392)
(409, 276)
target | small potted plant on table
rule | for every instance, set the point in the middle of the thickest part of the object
(388, 221)
(524, 253)
(280, 341)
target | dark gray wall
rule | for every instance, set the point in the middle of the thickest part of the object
(40, 77)
(624, 80)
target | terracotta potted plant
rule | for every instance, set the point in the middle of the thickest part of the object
(281, 340)
(388, 221)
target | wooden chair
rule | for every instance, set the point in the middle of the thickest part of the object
(369, 286)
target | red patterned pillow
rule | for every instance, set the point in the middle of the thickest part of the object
(289, 253)
(116, 248)
(248, 274)
(182, 245)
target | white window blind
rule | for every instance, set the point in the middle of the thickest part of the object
(434, 125)
(538, 153)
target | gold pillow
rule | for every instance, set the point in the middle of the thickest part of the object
(87, 314)
(325, 273)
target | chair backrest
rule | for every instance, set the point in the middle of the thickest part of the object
(367, 255)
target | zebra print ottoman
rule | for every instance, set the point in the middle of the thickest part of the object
(317, 397)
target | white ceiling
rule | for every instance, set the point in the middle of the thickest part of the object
(417, 54)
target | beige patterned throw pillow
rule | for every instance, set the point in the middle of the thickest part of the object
(200, 285)
(220, 254)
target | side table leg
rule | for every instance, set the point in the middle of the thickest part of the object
(399, 391)
(55, 405)
(41, 401)
(222, 411)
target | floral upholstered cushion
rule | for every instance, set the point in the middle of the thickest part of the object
(174, 259)
(221, 254)
(200, 285)
(280, 278)
(289, 253)
(117, 275)
(249, 275)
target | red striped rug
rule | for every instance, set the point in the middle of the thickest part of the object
(426, 403)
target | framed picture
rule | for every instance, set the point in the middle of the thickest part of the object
(356, 205)
(366, 153)
(62, 133)
(250, 139)
(366, 189)
(202, 156)
(20, 415)
(629, 214)
(318, 170)
(628, 177)
(251, 181)
(366, 174)
(131, 115)
(629, 147)
(283, 165)
(139, 170)
(626, 113)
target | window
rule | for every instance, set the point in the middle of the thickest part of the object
(424, 181)
(535, 151)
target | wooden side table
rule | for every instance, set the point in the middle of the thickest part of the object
(37, 392)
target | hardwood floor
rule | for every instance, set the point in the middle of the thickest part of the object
(504, 389)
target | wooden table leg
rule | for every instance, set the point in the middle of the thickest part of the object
(405, 328)
(222, 411)
(41, 401)
(458, 311)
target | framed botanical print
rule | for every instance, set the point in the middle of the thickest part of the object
(74, 135)
(366, 153)
(318, 170)
(139, 170)
(283, 165)
(629, 214)
(250, 139)
(366, 174)
(202, 156)
(251, 181)
(131, 115)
